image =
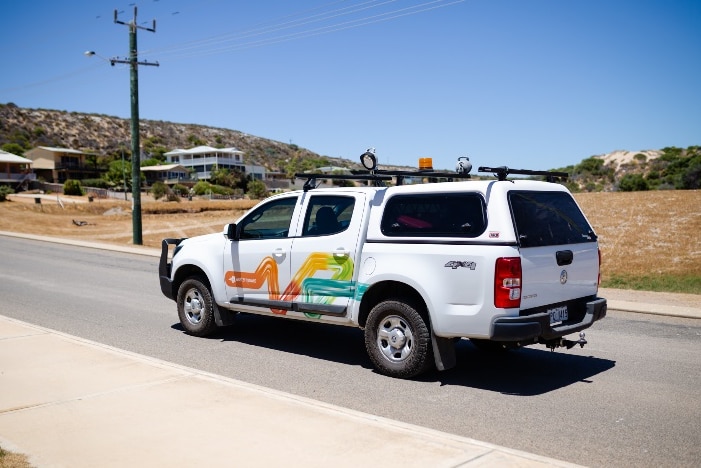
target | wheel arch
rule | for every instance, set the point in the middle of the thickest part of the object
(188, 271)
(383, 290)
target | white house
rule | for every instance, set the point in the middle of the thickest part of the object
(204, 159)
(167, 173)
(15, 169)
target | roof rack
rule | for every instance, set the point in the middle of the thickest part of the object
(311, 182)
(502, 172)
(378, 176)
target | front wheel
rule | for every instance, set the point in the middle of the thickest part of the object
(196, 307)
(398, 340)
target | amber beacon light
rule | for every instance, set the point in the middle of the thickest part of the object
(425, 164)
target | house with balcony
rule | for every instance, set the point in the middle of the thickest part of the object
(202, 160)
(169, 174)
(15, 171)
(57, 165)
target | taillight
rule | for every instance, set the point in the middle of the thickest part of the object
(507, 282)
(598, 279)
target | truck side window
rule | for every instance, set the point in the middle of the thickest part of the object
(435, 215)
(327, 215)
(269, 221)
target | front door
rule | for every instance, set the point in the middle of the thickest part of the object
(257, 264)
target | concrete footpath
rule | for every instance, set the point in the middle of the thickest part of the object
(70, 402)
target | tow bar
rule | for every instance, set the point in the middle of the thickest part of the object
(569, 344)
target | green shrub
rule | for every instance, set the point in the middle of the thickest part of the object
(4, 192)
(158, 190)
(633, 183)
(257, 190)
(95, 183)
(72, 187)
(203, 188)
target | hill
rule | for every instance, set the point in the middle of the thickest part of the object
(628, 171)
(107, 136)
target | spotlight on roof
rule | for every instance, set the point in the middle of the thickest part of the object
(463, 166)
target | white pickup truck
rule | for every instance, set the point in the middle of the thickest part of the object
(505, 263)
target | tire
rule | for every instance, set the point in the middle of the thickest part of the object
(398, 340)
(196, 307)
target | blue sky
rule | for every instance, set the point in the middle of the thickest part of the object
(534, 84)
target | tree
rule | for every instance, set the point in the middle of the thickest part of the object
(118, 173)
(692, 178)
(13, 148)
(225, 178)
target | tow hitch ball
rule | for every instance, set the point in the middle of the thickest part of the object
(569, 344)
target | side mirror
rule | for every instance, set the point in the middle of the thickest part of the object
(231, 232)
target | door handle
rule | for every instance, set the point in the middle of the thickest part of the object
(279, 253)
(564, 257)
(341, 252)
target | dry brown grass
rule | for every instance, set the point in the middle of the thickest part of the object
(13, 460)
(111, 220)
(640, 233)
(647, 233)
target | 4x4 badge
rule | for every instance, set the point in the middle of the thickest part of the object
(455, 264)
(563, 276)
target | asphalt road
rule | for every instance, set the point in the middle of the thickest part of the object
(629, 398)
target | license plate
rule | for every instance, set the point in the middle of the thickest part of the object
(558, 314)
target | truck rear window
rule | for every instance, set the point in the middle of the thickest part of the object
(435, 215)
(548, 218)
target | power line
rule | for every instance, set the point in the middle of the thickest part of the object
(228, 42)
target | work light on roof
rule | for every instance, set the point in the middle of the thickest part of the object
(463, 166)
(368, 159)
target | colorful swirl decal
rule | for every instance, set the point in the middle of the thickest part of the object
(303, 286)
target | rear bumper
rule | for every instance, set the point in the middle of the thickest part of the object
(532, 328)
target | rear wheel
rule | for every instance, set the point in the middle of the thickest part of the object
(196, 307)
(398, 340)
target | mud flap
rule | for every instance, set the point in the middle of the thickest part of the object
(443, 352)
(223, 317)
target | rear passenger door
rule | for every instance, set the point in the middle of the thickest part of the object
(324, 254)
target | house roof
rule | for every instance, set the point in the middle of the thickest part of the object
(163, 168)
(61, 150)
(6, 157)
(203, 150)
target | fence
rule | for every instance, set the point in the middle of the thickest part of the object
(89, 191)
